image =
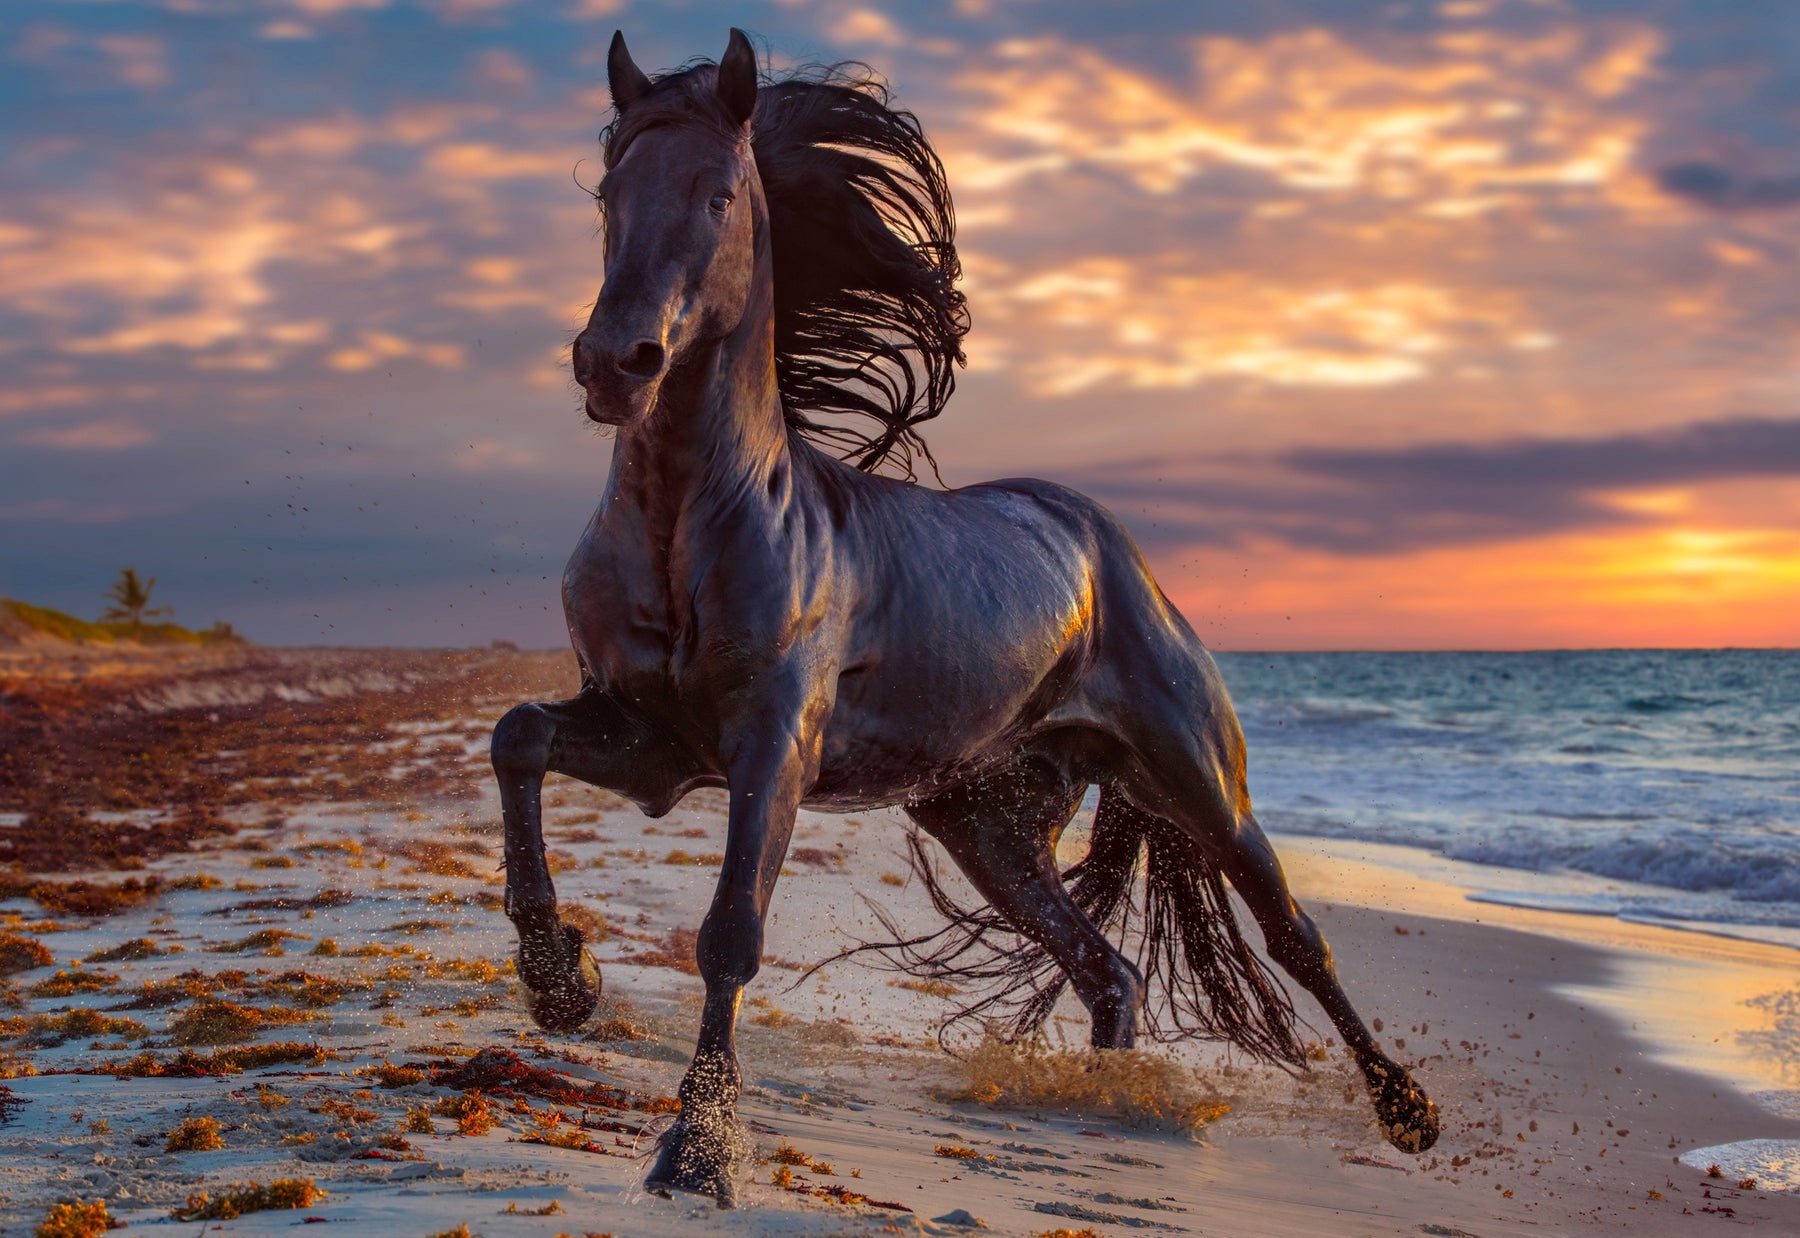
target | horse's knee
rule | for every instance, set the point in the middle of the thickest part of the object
(729, 948)
(522, 740)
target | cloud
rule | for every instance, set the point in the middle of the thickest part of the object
(1716, 186)
(1159, 322)
(1436, 120)
(487, 161)
(108, 434)
(1398, 500)
(866, 26)
(139, 59)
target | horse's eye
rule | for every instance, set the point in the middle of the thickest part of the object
(721, 202)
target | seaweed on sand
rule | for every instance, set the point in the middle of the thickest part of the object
(195, 1135)
(19, 954)
(77, 1219)
(251, 1197)
(502, 1073)
(131, 951)
(212, 1021)
(54, 1029)
(83, 898)
(67, 983)
(228, 1061)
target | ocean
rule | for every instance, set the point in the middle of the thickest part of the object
(1660, 786)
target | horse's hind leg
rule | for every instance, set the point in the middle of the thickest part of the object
(1407, 1116)
(1189, 770)
(1001, 833)
(587, 738)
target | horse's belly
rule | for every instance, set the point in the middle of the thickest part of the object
(884, 748)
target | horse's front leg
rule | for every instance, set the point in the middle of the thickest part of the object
(589, 738)
(706, 1148)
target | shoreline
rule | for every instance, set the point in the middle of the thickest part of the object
(1654, 966)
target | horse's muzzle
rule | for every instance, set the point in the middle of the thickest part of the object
(621, 381)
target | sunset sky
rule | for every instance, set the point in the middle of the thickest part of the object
(1472, 324)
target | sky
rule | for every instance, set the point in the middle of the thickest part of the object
(1384, 325)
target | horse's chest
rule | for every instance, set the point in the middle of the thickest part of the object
(653, 646)
(621, 621)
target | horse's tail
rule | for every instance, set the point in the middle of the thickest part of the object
(1201, 977)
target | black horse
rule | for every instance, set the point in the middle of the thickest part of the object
(755, 613)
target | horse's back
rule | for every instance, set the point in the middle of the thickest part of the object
(991, 616)
(1149, 680)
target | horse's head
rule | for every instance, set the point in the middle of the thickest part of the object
(679, 194)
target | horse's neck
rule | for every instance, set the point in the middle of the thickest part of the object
(716, 433)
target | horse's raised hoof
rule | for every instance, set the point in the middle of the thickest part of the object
(703, 1153)
(1408, 1118)
(569, 994)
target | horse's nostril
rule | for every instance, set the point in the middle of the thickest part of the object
(583, 359)
(643, 360)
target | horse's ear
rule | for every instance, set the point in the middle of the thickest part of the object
(737, 77)
(626, 81)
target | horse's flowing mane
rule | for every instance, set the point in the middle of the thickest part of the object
(868, 320)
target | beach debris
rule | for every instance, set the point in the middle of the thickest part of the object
(241, 1200)
(931, 988)
(555, 1129)
(10, 1104)
(77, 1220)
(67, 983)
(677, 950)
(132, 951)
(343, 1110)
(471, 1112)
(1373, 1162)
(195, 1135)
(212, 1021)
(773, 1017)
(788, 1154)
(265, 941)
(78, 1024)
(960, 1218)
(389, 1075)
(232, 1060)
(19, 954)
(83, 898)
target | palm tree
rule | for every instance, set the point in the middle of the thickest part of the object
(131, 601)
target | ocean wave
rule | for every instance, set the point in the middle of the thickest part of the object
(1753, 873)
(1666, 702)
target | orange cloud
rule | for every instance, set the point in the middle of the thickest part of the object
(1452, 120)
(1148, 324)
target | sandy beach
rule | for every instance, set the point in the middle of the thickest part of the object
(343, 907)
